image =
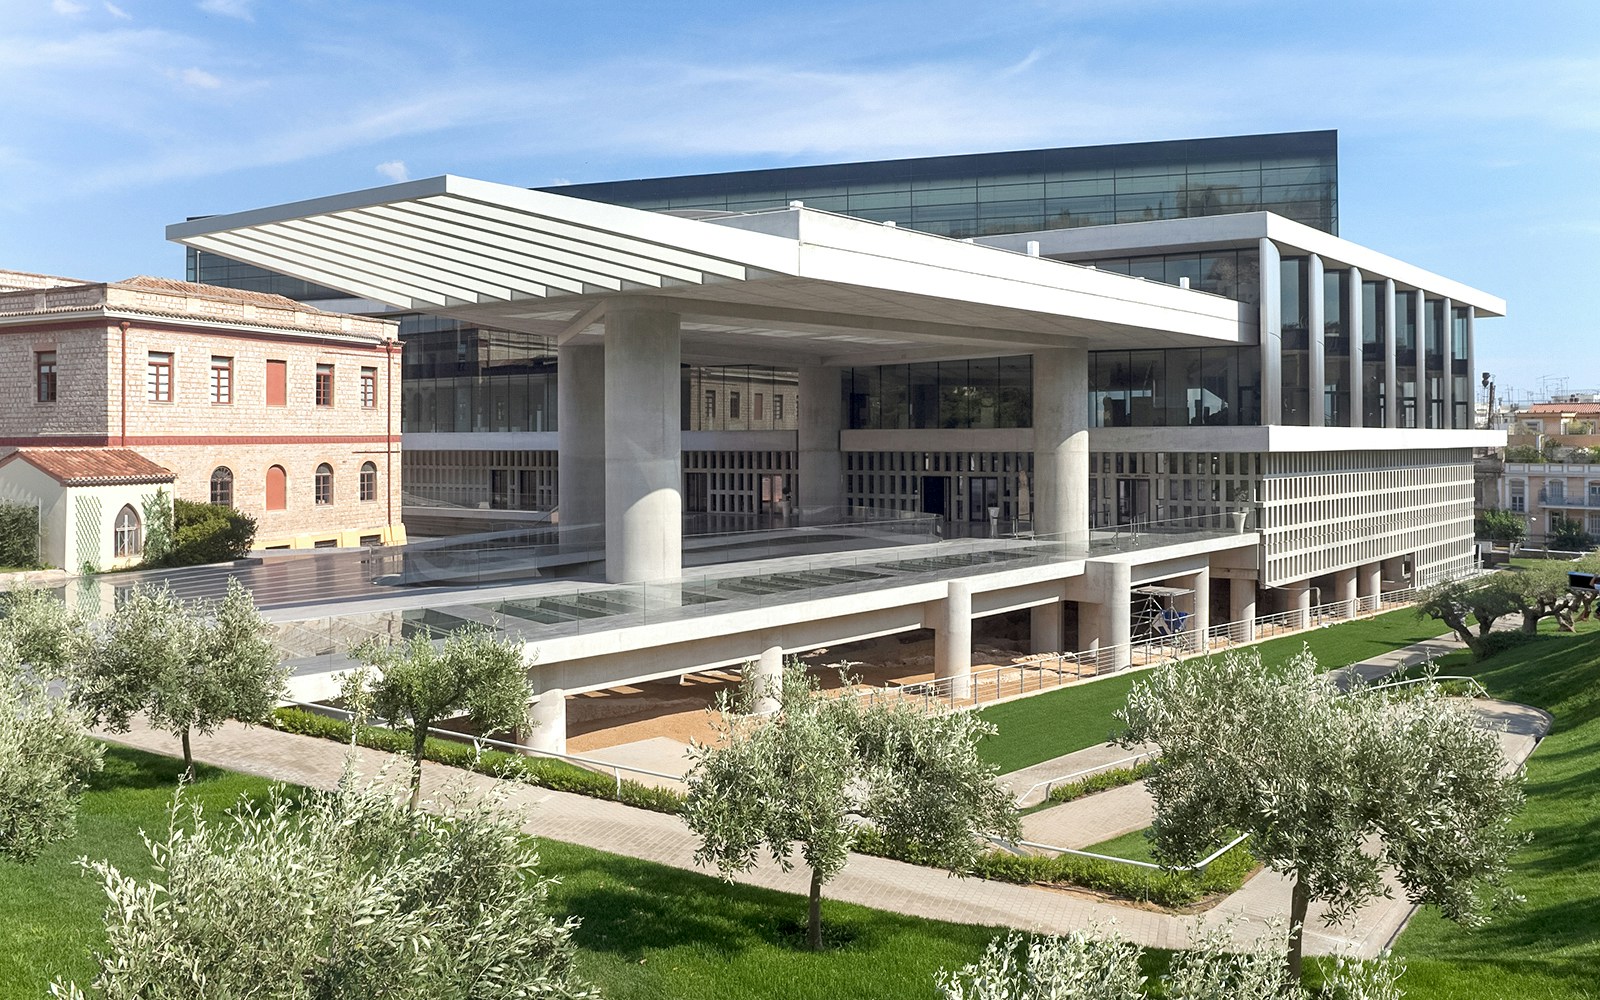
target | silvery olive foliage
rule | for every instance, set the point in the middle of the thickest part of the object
(46, 757)
(46, 634)
(812, 775)
(1333, 788)
(414, 684)
(343, 895)
(187, 667)
(1094, 965)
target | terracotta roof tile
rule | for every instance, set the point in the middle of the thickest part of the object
(92, 466)
(212, 292)
(1563, 408)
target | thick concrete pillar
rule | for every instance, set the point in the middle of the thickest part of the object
(1061, 444)
(581, 432)
(1105, 626)
(1391, 395)
(1316, 369)
(1395, 569)
(952, 641)
(644, 446)
(1271, 332)
(1045, 622)
(1369, 585)
(1345, 591)
(821, 464)
(1242, 608)
(1298, 600)
(767, 678)
(1447, 385)
(1353, 322)
(1199, 624)
(547, 722)
(1472, 371)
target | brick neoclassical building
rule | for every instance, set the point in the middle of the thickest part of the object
(288, 413)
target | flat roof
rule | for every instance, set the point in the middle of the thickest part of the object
(799, 285)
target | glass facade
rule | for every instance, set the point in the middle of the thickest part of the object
(1296, 363)
(1335, 349)
(1373, 348)
(1233, 273)
(1462, 396)
(210, 269)
(980, 393)
(456, 377)
(1434, 340)
(1405, 356)
(1210, 386)
(739, 398)
(1294, 174)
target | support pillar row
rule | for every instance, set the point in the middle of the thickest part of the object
(1242, 608)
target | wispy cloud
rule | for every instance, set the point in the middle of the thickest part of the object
(117, 12)
(240, 9)
(195, 77)
(394, 170)
(67, 8)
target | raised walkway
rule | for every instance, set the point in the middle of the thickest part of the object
(869, 881)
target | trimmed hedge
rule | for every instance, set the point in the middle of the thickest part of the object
(207, 533)
(19, 535)
(1114, 777)
(545, 772)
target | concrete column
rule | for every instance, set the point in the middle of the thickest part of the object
(1271, 332)
(1298, 599)
(1391, 395)
(1114, 616)
(952, 641)
(821, 471)
(1472, 371)
(1447, 385)
(1061, 443)
(1200, 618)
(1394, 569)
(1242, 608)
(581, 432)
(1045, 622)
(1345, 591)
(1352, 330)
(547, 722)
(767, 680)
(1316, 347)
(644, 446)
(1369, 585)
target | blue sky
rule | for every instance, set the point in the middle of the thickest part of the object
(1469, 132)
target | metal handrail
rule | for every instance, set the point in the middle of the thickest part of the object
(1050, 783)
(1197, 866)
(479, 742)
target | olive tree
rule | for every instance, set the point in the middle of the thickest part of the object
(46, 757)
(187, 667)
(342, 895)
(821, 770)
(417, 683)
(1314, 775)
(1091, 965)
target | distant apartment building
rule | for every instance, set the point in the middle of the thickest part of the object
(286, 412)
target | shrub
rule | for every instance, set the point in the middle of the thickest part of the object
(19, 535)
(1114, 777)
(545, 772)
(207, 533)
(1498, 642)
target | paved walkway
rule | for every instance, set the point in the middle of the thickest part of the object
(875, 882)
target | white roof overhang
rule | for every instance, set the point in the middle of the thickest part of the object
(794, 285)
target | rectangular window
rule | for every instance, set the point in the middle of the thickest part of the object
(158, 377)
(369, 388)
(45, 367)
(760, 407)
(221, 379)
(277, 383)
(733, 406)
(777, 407)
(711, 405)
(324, 385)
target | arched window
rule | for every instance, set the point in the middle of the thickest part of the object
(369, 481)
(222, 486)
(322, 485)
(277, 488)
(127, 540)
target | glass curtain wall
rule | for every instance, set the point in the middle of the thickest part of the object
(1335, 349)
(1296, 363)
(740, 398)
(1181, 387)
(1405, 356)
(458, 378)
(976, 393)
(1434, 341)
(1232, 273)
(1462, 396)
(1374, 412)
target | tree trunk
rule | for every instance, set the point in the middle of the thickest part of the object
(418, 742)
(188, 756)
(814, 926)
(1299, 903)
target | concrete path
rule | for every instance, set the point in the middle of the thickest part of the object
(1093, 818)
(659, 753)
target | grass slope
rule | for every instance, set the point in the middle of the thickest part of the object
(1549, 947)
(1035, 729)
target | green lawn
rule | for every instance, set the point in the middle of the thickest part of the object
(1134, 846)
(1035, 729)
(1548, 948)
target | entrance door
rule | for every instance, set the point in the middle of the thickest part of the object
(983, 492)
(694, 492)
(500, 489)
(1133, 501)
(936, 495)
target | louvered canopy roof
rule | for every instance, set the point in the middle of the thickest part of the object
(793, 285)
